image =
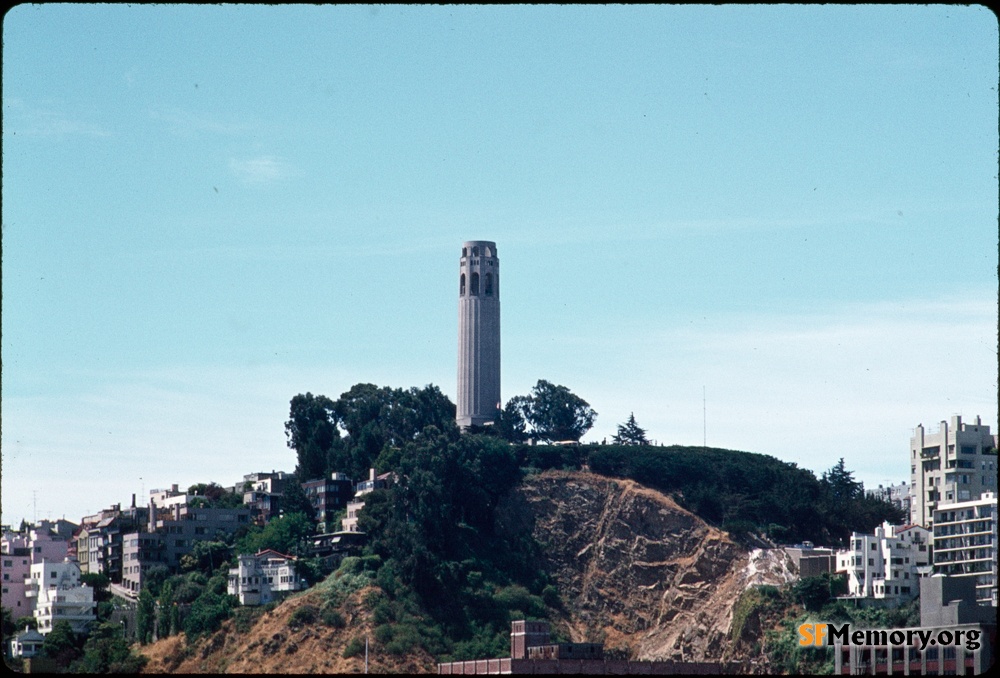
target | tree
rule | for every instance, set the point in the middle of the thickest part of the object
(311, 430)
(283, 534)
(106, 651)
(145, 616)
(510, 424)
(205, 556)
(294, 500)
(840, 483)
(555, 413)
(61, 644)
(629, 433)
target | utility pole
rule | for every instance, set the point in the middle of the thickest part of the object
(366, 654)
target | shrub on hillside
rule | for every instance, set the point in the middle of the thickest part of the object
(303, 616)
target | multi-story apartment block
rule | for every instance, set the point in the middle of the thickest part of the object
(167, 498)
(16, 567)
(59, 596)
(272, 483)
(259, 579)
(81, 543)
(328, 496)
(262, 493)
(957, 463)
(46, 541)
(170, 534)
(965, 544)
(104, 539)
(885, 565)
(354, 506)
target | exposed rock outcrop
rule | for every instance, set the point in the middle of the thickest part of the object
(636, 570)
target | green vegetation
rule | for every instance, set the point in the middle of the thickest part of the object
(773, 615)
(106, 651)
(553, 413)
(286, 534)
(212, 495)
(348, 434)
(355, 647)
(751, 492)
(303, 616)
(629, 433)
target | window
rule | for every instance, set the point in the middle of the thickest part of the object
(475, 251)
(474, 285)
(461, 285)
(465, 251)
(489, 285)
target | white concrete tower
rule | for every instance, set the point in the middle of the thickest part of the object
(478, 334)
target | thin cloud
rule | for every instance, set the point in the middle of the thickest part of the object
(260, 170)
(47, 123)
(186, 124)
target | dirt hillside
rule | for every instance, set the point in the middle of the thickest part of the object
(273, 646)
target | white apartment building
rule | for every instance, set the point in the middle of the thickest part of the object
(59, 596)
(965, 544)
(259, 579)
(955, 464)
(885, 565)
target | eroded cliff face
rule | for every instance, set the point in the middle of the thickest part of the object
(635, 569)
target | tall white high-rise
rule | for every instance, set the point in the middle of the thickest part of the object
(478, 334)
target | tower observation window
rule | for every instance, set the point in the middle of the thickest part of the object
(489, 285)
(475, 251)
(461, 286)
(474, 284)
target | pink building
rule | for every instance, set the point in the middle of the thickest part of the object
(47, 541)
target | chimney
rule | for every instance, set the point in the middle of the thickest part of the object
(371, 474)
(133, 500)
(173, 488)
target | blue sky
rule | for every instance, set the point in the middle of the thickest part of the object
(207, 210)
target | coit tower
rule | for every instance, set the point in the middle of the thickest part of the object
(478, 334)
